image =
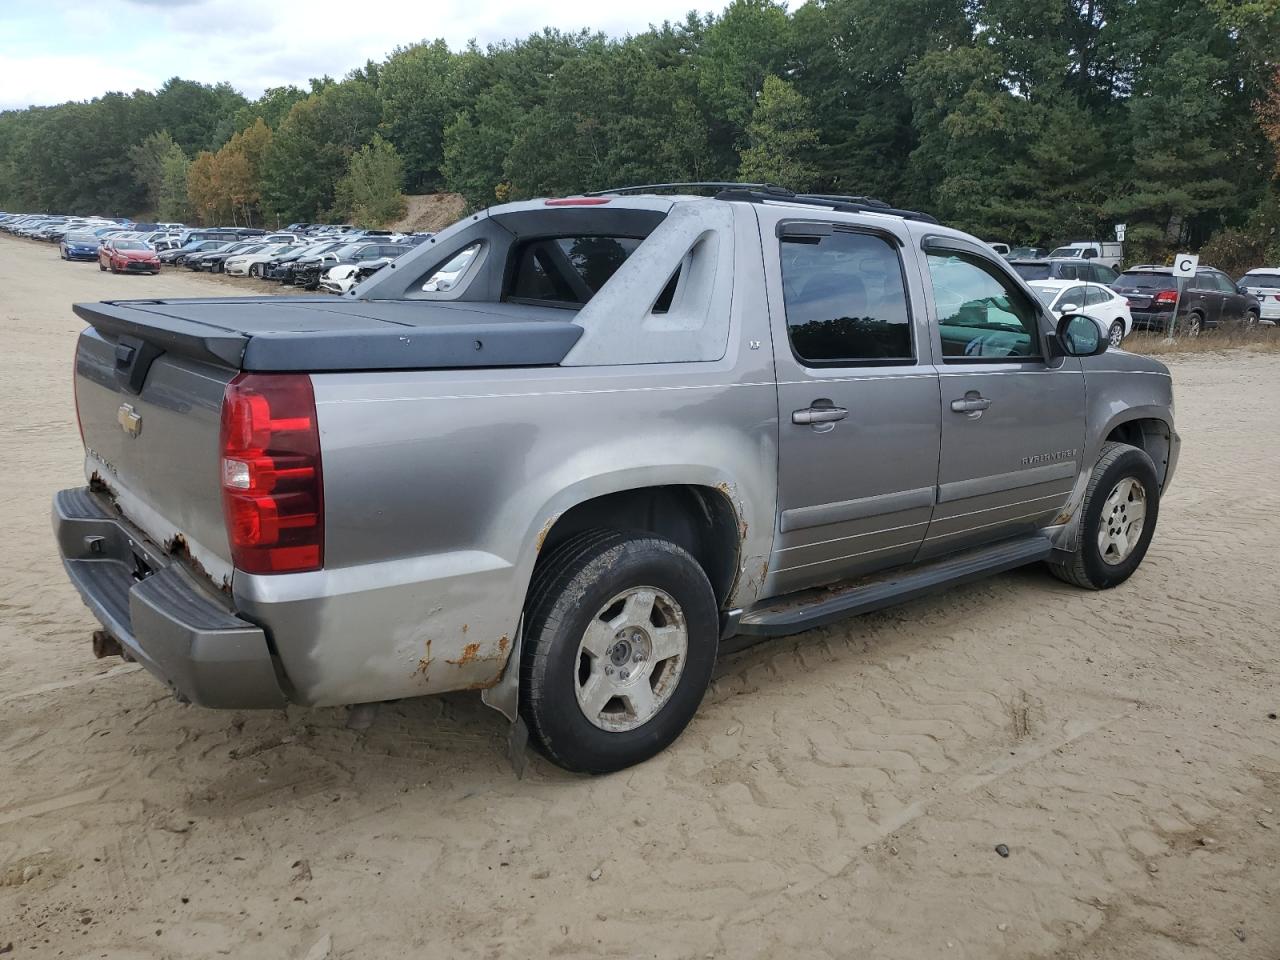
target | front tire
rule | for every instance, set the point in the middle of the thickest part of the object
(1118, 519)
(620, 639)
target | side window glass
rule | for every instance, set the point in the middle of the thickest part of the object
(981, 314)
(446, 275)
(1225, 284)
(845, 299)
(1070, 271)
(1104, 275)
(1094, 296)
(1073, 297)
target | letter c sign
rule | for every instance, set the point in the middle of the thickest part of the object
(1184, 265)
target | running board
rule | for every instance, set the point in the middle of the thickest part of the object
(807, 609)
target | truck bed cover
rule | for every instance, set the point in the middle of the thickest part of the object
(318, 334)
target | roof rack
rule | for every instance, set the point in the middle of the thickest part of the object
(830, 201)
(700, 184)
(766, 192)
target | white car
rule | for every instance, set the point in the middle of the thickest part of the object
(1100, 303)
(249, 264)
(1264, 283)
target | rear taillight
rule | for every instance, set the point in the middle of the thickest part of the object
(272, 487)
(1166, 297)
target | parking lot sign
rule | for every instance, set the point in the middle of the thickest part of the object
(1184, 265)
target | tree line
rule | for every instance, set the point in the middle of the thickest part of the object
(1030, 121)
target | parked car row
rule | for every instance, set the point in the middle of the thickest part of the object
(329, 257)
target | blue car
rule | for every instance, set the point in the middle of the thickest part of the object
(79, 245)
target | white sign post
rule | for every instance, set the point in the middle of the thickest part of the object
(1184, 268)
(1120, 228)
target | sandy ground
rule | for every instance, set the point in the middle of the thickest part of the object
(840, 794)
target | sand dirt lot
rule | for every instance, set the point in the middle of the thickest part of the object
(840, 794)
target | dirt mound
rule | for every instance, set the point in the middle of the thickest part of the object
(430, 211)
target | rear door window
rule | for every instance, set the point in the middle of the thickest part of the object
(845, 300)
(1074, 297)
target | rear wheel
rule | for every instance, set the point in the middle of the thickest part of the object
(1194, 325)
(1118, 519)
(1116, 335)
(620, 639)
(101, 266)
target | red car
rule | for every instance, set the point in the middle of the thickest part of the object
(127, 256)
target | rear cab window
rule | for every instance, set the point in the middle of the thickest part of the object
(566, 271)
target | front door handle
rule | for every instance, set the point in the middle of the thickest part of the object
(816, 415)
(971, 403)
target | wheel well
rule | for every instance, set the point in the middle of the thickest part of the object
(1149, 435)
(699, 519)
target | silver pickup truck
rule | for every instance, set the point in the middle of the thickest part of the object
(566, 448)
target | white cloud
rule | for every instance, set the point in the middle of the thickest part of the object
(54, 52)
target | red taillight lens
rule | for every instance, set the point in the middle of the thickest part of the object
(272, 486)
(1166, 297)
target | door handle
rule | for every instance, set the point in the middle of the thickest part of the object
(816, 415)
(970, 403)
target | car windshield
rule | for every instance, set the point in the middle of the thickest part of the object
(1032, 271)
(1146, 281)
(80, 238)
(130, 245)
(1046, 296)
(1066, 252)
(1269, 281)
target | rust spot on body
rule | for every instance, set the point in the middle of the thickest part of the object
(470, 653)
(546, 529)
(503, 643)
(424, 664)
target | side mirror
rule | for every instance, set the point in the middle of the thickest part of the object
(1068, 308)
(1079, 336)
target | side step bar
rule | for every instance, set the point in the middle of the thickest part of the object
(817, 608)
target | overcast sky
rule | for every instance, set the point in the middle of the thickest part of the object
(57, 50)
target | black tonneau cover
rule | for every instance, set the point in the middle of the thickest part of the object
(317, 334)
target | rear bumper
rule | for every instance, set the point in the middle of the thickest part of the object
(184, 634)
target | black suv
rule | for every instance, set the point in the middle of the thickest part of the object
(1064, 269)
(1209, 300)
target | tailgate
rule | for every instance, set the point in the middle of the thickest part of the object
(151, 421)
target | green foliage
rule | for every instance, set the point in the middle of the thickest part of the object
(1028, 122)
(313, 145)
(369, 195)
(782, 139)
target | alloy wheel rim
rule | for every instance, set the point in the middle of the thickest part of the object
(630, 659)
(1124, 514)
(1117, 334)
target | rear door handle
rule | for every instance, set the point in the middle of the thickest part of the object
(970, 404)
(815, 415)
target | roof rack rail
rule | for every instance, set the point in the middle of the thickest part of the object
(702, 184)
(843, 204)
(765, 192)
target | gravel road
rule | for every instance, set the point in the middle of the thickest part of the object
(840, 794)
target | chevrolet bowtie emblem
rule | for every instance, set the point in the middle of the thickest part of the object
(129, 419)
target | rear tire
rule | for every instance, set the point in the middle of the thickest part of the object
(1118, 519)
(101, 267)
(620, 638)
(1116, 334)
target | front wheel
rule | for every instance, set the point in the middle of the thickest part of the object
(1118, 519)
(102, 267)
(1116, 335)
(620, 640)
